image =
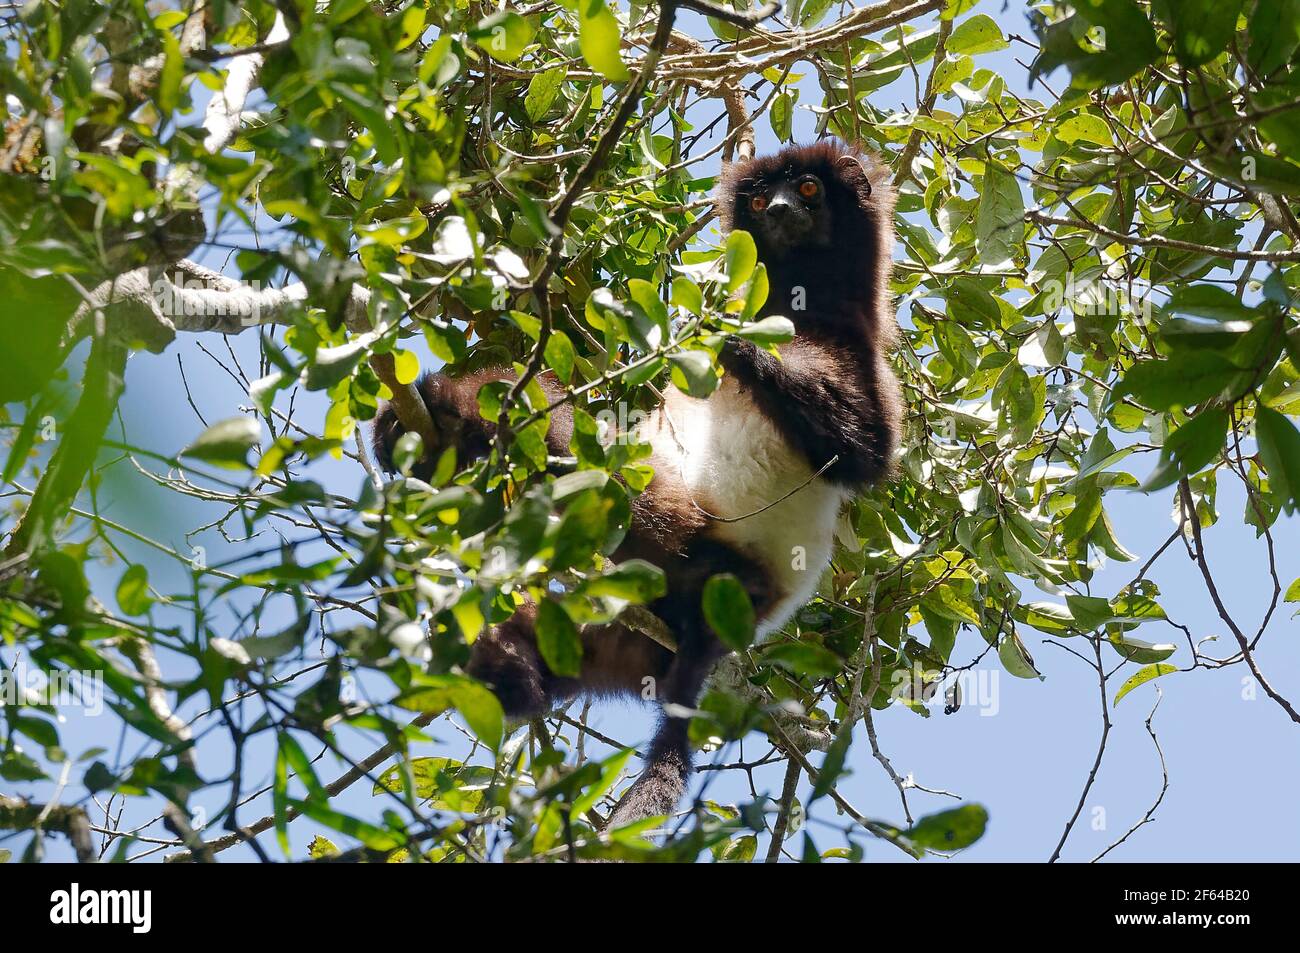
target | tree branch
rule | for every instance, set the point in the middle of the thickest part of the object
(1096, 764)
(1185, 496)
(17, 814)
(344, 781)
(1156, 241)
(789, 788)
(729, 15)
(225, 108)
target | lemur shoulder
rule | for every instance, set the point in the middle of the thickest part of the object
(749, 481)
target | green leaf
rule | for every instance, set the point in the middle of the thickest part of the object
(1185, 379)
(773, 329)
(476, 704)
(692, 373)
(1015, 658)
(226, 443)
(1274, 32)
(557, 639)
(373, 836)
(1189, 448)
(439, 65)
(1100, 455)
(1084, 127)
(978, 34)
(263, 390)
(280, 799)
(999, 222)
(133, 590)
(571, 484)
(728, 611)
(1090, 612)
(952, 602)
(1279, 448)
(543, 88)
(804, 658)
(370, 113)
(406, 366)
(610, 771)
(741, 850)
(1258, 171)
(634, 580)
(599, 38)
(297, 759)
(433, 778)
(504, 35)
(1049, 617)
(1087, 509)
(781, 116)
(321, 847)
(331, 364)
(1043, 348)
(407, 452)
(1293, 592)
(687, 294)
(1105, 43)
(739, 259)
(1201, 28)
(1136, 650)
(1208, 301)
(1142, 677)
(38, 729)
(807, 13)
(650, 315)
(1280, 127)
(1132, 606)
(560, 355)
(482, 712)
(949, 830)
(173, 72)
(756, 293)
(413, 22)
(952, 69)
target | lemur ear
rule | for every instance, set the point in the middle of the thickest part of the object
(851, 169)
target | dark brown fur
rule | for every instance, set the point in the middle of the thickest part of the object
(832, 395)
(453, 404)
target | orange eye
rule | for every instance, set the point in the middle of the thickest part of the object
(758, 203)
(809, 188)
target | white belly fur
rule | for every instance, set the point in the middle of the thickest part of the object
(734, 461)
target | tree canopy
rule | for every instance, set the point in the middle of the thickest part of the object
(1101, 272)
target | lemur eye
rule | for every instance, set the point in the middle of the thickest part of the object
(809, 188)
(758, 203)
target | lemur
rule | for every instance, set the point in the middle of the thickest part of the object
(749, 481)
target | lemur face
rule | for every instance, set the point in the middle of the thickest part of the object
(784, 212)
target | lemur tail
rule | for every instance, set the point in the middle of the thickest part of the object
(663, 780)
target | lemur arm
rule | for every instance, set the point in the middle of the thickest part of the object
(830, 411)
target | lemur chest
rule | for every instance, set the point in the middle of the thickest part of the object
(760, 489)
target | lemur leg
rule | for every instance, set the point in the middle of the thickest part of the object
(616, 661)
(668, 762)
(507, 660)
(453, 404)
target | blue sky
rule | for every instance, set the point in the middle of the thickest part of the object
(1232, 761)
